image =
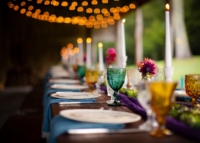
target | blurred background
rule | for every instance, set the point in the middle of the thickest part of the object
(30, 46)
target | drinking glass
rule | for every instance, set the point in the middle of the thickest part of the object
(74, 67)
(91, 78)
(161, 103)
(110, 91)
(116, 77)
(81, 72)
(99, 81)
(192, 87)
(144, 98)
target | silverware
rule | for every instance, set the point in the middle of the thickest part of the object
(103, 130)
(62, 103)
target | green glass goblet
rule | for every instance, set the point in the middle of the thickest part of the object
(116, 77)
(81, 72)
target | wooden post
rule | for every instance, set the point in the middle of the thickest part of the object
(138, 35)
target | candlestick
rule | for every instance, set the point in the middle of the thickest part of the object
(123, 45)
(101, 67)
(80, 55)
(123, 38)
(72, 57)
(168, 54)
(88, 56)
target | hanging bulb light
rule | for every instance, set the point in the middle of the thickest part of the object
(23, 10)
(84, 3)
(23, 3)
(64, 4)
(132, 6)
(16, 7)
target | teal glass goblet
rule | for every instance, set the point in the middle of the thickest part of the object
(116, 77)
(81, 72)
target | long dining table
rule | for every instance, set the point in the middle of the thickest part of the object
(137, 137)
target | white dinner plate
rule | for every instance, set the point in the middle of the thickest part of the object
(64, 81)
(70, 87)
(60, 75)
(180, 93)
(100, 116)
(75, 95)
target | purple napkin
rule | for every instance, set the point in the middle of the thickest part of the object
(132, 104)
(182, 128)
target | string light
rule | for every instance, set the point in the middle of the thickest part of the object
(94, 2)
(99, 17)
(74, 3)
(23, 3)
(16, 7)
(132, 6)
(30, 7)
(23, 10)
(64, 4)
(84, 3)
(80, 9)
(46, 2)
(89, 10)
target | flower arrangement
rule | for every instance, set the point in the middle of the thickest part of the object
(110, 56)
(147, 67)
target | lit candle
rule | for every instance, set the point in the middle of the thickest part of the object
(88, 56)
(101, 67)
(76, 56)
(69, 48)
(80, 55)
(123, 38)
(168, 53)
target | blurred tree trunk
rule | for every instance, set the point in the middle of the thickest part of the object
(182, 48)
(138, 35)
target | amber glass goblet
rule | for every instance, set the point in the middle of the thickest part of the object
(161, 103)
(91, 78)
(192, 87)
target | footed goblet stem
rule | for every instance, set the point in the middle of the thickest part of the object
(116, 101)
(160, 131)
(91, 86)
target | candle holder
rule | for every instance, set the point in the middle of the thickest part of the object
(168, 73)
(123, 61)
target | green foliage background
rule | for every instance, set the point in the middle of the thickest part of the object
(154, 29)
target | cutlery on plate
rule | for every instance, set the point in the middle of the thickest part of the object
(103, 130)
(59, 95)
(63, 103)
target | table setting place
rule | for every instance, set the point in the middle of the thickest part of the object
(165, 109)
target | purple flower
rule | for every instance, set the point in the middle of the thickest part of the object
(147, 67)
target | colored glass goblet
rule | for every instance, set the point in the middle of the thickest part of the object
(192, 87)
(161, 103)
(116, 77)
(91, 78)
(81, 72)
